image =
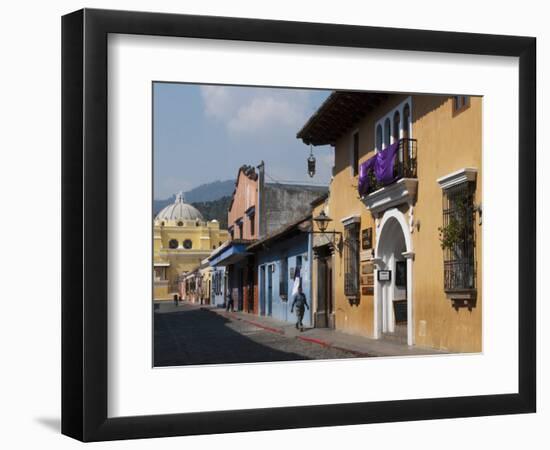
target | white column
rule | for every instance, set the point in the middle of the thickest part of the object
(377, 293)
(378, 299)
(390, 290)
(410, 317)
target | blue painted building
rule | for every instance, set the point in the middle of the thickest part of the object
(238, 268)
(218, 287)
(282, 258)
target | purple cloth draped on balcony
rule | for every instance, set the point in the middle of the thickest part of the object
(382, 166)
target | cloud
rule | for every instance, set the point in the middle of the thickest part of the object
(217, 101)
(249, 111)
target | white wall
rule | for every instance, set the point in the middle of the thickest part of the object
(30, 172)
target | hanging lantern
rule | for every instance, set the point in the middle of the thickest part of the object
(311, 163)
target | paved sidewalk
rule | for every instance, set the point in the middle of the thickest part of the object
(357, 345)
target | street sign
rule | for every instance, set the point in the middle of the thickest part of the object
(384, 275)
(366, 238)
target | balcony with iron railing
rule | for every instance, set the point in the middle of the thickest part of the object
(388, 179)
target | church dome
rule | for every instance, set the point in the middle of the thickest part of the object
(179, 210)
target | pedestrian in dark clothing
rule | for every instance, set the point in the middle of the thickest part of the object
(300, 303)
(176, 299)
(229, 303)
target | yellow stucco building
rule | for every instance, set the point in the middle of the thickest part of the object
(181, 240)
(406, 261)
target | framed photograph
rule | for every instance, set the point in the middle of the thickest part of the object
(323, 224)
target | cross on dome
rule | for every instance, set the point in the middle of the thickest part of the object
(180, 198)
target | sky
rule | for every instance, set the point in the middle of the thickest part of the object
(204, 133)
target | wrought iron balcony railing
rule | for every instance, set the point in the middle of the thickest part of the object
(404, 165)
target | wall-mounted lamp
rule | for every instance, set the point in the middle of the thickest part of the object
(322, 221)
(311, 163)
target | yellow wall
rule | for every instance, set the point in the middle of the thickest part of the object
(446, 143)
(205, 236)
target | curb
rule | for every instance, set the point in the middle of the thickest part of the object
(250, 322)
(264, 327)
(281, 332)
(329, 345)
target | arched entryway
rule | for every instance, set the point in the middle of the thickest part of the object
(394, 253)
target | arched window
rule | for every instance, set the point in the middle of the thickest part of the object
(187, 244)
(387, 127)
(379, 138)
(406, 121)
(173, 243)
(396, 126)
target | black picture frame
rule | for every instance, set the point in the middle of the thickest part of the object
(84, 224)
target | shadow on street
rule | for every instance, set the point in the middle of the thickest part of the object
(198, 336)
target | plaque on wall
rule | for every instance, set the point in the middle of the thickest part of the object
(367, 290)
(367, 268)
(367, 280)
(366, 255)
(384, 275)
(366, 238)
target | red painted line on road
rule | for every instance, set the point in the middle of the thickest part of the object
(281, 332)
(329, 345)
(314, 341)
(264, 327)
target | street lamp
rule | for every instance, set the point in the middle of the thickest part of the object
(322, 221)
(311, 163)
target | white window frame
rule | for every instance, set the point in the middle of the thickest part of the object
(389, 115)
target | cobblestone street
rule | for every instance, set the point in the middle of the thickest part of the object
(188, 334)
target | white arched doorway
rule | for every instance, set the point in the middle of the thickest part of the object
(393, 306)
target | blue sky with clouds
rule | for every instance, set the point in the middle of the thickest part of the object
(205, 133)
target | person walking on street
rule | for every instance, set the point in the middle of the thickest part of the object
(176, 299)
(229, 302)
(300, 303)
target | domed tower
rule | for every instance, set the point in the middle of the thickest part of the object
(177, 212)
(182, 238)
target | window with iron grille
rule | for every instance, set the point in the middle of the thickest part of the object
(283, 278)
(457, 237)
(351, 260)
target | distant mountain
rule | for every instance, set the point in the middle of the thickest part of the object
(210, 191)
(204, 193)
(215, 209)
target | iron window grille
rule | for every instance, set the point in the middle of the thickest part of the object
(351, 260)
(283, 278)
(458, 238)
